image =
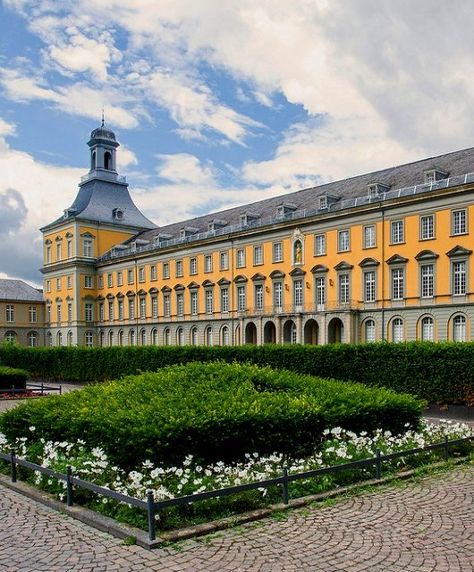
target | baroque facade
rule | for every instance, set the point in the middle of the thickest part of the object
(380, 256)
(21, 313)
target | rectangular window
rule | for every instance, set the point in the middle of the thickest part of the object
(87, 247)
(224, 260)
(48, 285)
(153, 275)
(277, 295)
(459, 278)
(48, 254)
(193, 267)
(241, 299)
(166, 305)
(320, 292)
(240, 258)
(88, 281)
(397, 234)
(369, 286)
(69, 282)
(224, 300)
(120, 309)
(101, 311)
(209, 301)
(459, 222)
(277, 252)
(100, 280)
(398, 283)
(427, 281)
(89, 312)
(154, 307)
(208, 263)
(131, 309)
(59, 250)
(257, 255)
(319, 244)
(48, 313)
(179, 268)
(259, 297)
(298, 293)
(130, 276)
(58, 284)
(194, 303)
(69, 312)
(10, 313)
(69, 248)
(142, 308)
(58, 314)
(427, 227)
(110, 280)
(180, 304)
(166, 270)
(141, 274)
(111, 311)
(32, 314)
(369, 236)
(344, 288)
(343, 242)
(119, 278)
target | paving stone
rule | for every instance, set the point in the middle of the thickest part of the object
(418, 527)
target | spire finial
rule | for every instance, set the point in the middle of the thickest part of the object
(103, 120)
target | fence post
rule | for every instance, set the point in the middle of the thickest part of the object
(69, 491)
(12, 466)
(285, 485)
(446, 448)
(60, 390)
(42, 391)
(378, 465)
(151, 515)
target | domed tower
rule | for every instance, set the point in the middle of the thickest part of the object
(102, 216)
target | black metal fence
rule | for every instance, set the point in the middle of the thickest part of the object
(36, 388)
(153, 507)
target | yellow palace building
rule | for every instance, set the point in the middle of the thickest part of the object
(381, 256)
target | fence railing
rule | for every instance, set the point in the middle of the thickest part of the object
(40, 388)
(153, 507)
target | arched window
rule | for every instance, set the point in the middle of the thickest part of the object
(10, 336)
(131, 337)
(69, 339)
(370, 330)
(397, 330)
(101, 339)
(154, 336)
(167, 337)
(143, 337)
(193, 336)
(180, 336)
(427, 329)
(49, 338)
(89, 339)
(225, 339)
(107, 161)
(32, 339)
(93, 160)
(459, 328)
(294, 335)
(208, 336)
(120, 338)
(59, 339)
(111, 338)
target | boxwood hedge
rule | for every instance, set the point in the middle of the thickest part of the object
(214, 411)
(437, 372)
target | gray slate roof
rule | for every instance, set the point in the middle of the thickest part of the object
(456, 163)
(19, 290)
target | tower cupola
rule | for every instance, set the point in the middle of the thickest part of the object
(103, 145)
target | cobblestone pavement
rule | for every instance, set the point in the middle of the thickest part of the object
(419, 527)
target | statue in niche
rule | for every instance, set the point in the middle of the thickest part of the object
(298, 252)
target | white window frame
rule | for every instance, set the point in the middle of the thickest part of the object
(370, 236)
(258, 255)
(397, 231)
(459, 277)
(427, 280)
(277, 252)
(427, 227)
(458, 221)
(370, 286)
(224, 260)
(397, 276)
(320, 244)
(240, 258)
(343, 240)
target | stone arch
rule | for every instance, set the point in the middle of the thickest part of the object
(335, 331)
(289, 332)
(311, 332)
(251, 333)
(269, 333)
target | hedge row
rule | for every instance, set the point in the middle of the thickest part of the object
(12, 378)
(437, 372)
(162, 416)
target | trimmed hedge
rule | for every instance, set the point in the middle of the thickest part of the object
(214, 411)
(437, 372)
(13, 378)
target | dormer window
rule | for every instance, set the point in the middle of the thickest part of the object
(433, 175)
(285, 209)
(162, 238)
(323, 202)
(117, 214)
(376, 190)
(248, 218)
(216, 224)
(187, 231)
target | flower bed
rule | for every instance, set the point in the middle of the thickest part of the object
(339, 446)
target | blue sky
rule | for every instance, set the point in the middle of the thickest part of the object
(220, 103)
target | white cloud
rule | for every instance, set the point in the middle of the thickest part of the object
(185, 168)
